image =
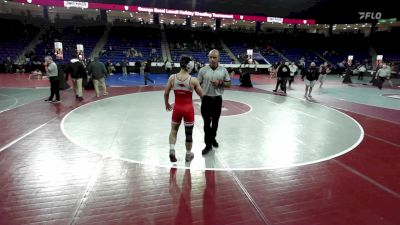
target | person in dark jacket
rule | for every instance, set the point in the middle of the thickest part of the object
(348, 74)
(8, 64)
(283, 72)
(147, 72)
(98, 72)
(311, 74)
(124, 64)
(78, 73)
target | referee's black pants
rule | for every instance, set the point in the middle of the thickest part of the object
(54, 88)
(211, 111)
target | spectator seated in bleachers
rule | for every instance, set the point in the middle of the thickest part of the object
(137, 46)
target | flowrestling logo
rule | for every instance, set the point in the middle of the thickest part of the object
(370, 15)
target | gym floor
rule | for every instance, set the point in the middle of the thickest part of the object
(329, 159)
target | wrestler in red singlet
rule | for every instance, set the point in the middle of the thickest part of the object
(183, 85)
(183, 107)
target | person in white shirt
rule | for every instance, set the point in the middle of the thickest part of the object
(389, 73)
(168, 67)
(293, 70)
(361, 71)
(382, 74)
(323, 71)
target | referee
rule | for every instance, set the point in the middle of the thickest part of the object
(213, 79)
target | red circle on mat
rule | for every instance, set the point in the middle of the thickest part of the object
(229, 108)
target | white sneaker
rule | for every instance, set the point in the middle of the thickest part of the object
(189, 156)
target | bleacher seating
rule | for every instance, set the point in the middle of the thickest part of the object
(338, 47)
(239, 41)
(15, 37)
(142, 38)
(145, 40)
(194, 42)
(69, 36)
